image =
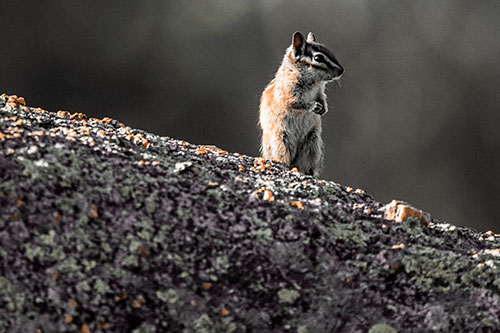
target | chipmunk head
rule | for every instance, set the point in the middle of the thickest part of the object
(314, 60)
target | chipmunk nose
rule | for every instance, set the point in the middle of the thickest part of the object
(340, 71)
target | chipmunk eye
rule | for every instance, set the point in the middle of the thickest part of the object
(319, 58)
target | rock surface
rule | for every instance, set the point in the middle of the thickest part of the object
(105, 228)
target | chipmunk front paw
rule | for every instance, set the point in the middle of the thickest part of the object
(318, 108)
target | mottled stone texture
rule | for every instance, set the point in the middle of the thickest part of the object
(105, 228)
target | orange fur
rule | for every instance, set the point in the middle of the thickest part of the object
(292, 104)
(276, 101)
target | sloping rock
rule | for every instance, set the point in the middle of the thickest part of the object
(105, 228)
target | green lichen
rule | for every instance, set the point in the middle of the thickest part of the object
(101, 287)
(288, 296)
(204, 325)
(162, 233)
(228, 325)
(130, 261)
(34, 252)
(302, 329)
(348, 233)
(223, 263)
(264, 235)
(382, 328)
(84, 286)
(431, 269)
(150, 204)
(145, 329)
(169, 296)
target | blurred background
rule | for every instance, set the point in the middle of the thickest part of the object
(415, 116)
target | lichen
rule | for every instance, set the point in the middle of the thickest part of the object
(108, 228)
(288, 295)
(382, 328)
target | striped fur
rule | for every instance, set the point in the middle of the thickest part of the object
(292, 105)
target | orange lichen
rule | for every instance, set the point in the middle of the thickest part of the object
(294, 170)
(37, 133)
(399, 211)
(68, 318)
(201, 151)
(206, 285)
(348, 189)
(213, 183)
(297, 204)
(85, 131)
(85, 329)
(20, 202)
(261, 165)
(55, 276)
(21, 101)
(122, 296)
(63, 114)
(78, 116)
(57, 219)
(222, 152)
(14, 101)
(2, 136)
(241, 167)
(106, 120)
(18, 123)
(137, 303)
(102, 326)
(493, 252)
(398, 246)
(73, 304)
(143, 251)
(268, 195)
(224, 312)
(93, 212)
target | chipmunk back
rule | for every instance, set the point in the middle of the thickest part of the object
(292, 104)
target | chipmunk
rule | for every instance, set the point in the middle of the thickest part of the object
(291, 106)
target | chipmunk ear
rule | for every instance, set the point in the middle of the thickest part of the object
(298, 43)
(311, 38)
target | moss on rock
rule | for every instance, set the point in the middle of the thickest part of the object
(113, 229)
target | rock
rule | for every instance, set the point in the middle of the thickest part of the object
(399, 211)
(106, 228)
